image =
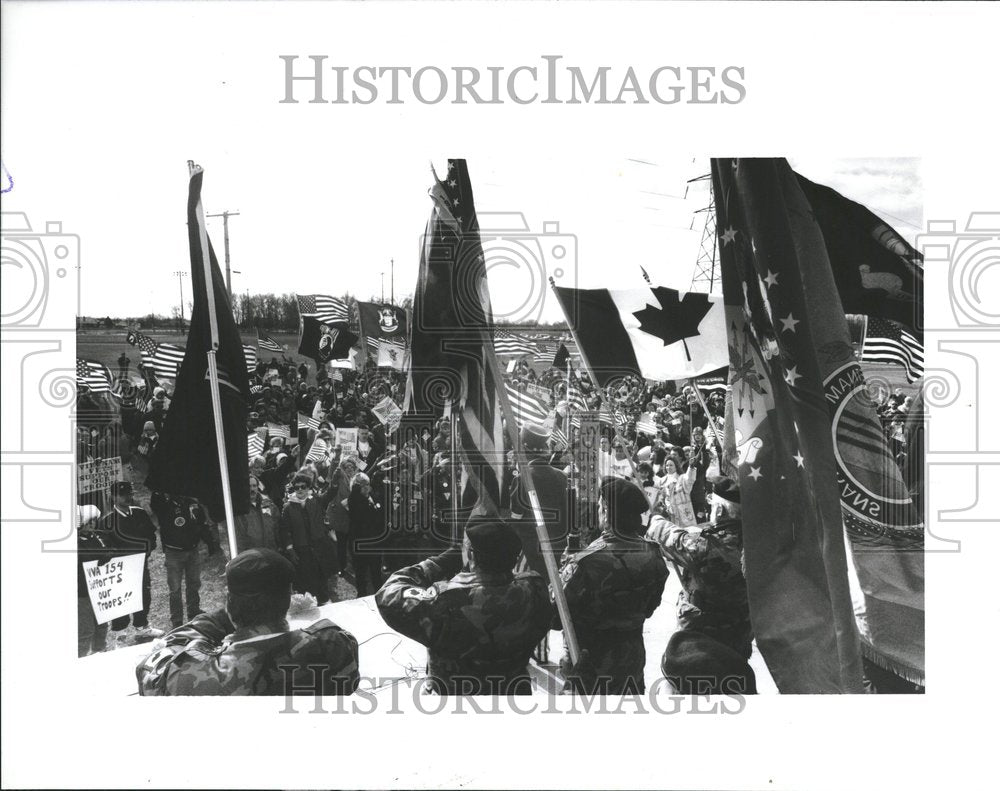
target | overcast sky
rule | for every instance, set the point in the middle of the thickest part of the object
(97, 141)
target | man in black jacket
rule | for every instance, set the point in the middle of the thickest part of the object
(128, 530)
(181, 524)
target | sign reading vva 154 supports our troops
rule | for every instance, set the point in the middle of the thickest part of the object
(115, 587)
(588, 448)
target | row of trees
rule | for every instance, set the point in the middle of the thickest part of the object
(277, 312)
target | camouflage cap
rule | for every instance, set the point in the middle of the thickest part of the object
(259, 571)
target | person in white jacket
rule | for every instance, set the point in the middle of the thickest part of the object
(674, 498)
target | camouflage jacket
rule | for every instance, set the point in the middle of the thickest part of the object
(207, 657)
(714, 596)
(479, 628)
(612, 587)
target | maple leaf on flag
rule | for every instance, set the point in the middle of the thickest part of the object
(676, 319)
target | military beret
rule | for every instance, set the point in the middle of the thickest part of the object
(534, 437)
(493, 537)
(259, 571)
(695, 663)
(727, 489)
(623, 497)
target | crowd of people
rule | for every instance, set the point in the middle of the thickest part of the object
(388, 514)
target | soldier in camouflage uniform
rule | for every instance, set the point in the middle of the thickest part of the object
(708, 653)
(709, 559)
(480, 626)
(248, 648)
(612, 587)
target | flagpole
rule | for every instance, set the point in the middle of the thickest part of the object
(213, 371)
(701, 400)
(569, 633)
(593, 378)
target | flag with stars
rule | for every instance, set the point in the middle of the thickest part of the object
(656, 332)
(794, 549)
(93, 376)
(451, 342)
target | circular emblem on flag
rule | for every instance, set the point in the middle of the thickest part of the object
(873, 496)
(387, 319)
(180, 521)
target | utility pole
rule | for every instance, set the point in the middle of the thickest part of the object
(225, 215)
(382, 275)
(180, 287)
(392, 281)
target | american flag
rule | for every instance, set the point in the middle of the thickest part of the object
(559, 439)
(318, 450)
(165, 358)
(250, 355)
(322, 307)
(255, 446)
(254, 389)
(307, 422)
(546, 353)
(452, 298)
(646, 425)
(278, 430)
(576, 399)
(268, 343)
(621, 419)
(507, 343)
(94, 376)
(887, 342)
(337, 375)
(526, 408)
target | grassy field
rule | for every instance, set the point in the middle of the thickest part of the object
(105, 346)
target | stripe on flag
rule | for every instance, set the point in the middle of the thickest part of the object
(506, 343)
(93, 375)
(887, 342)
(322, 307)
(278, 430)
(308, 422)
(164, 358)
(268, 343)
(526, 408)
(318, 450)
(255, 445)
(250, 355)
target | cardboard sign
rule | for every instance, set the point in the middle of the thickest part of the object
(347, 440)
(389, 413)
(116, 587)
(97, 476)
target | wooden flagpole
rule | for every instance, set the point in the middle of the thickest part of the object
(213, 369)
(569, 633)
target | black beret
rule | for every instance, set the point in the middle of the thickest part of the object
(534, 438)
(493, 538)
(623, 498)
(727, 489)
(259, 571)
(695, 663)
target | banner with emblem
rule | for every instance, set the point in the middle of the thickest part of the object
(794, 549)
(380, 321)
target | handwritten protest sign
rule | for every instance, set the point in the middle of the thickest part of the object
(347, 440)
(588, 447)
(115, 588)
(97, 476)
